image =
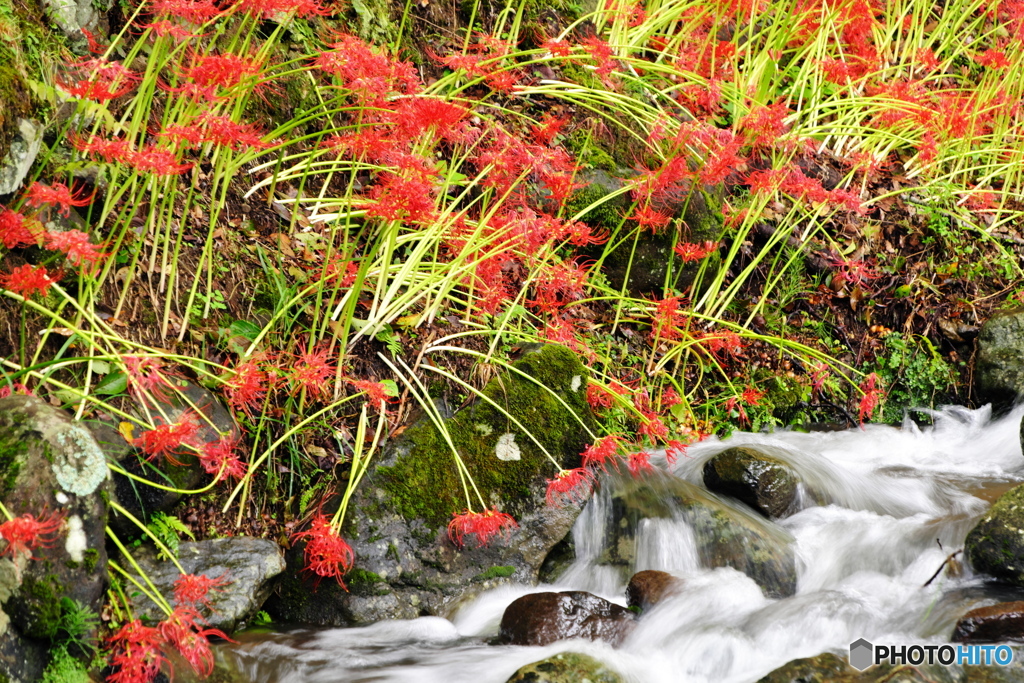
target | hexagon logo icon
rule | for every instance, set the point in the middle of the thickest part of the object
(862, 654)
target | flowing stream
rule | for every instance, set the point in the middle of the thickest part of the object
(876, 504)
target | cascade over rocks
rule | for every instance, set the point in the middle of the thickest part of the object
(406, 565)
(49, 466)
(999, 367)
(544, 618)
(566, 667)
(995, 546)
(764, 483)
(725, 537)
(245, 566)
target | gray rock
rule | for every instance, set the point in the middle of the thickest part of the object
(49, 465)
(764, 483)
(71, 16)
(566, 667)
(725, 536)
(246, 565)
(22, 152)
(999, 368)
(406, 566)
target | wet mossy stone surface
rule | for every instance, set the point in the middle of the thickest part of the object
(50, 465)
(831, 668)
(397, 522)
(999, 367)
(764, 483)
(641, 260)
(725, 536)
(566, 667)
(244, 566)
(995, 546)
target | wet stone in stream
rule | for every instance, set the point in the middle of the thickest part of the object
(544, 618)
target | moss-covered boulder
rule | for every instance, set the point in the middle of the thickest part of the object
(764, 483)
(725, 536)
(51, 468)
(406, 565)
(823, 668)
(995, 546)
(999, 365)
(566, 667)
(639, 260)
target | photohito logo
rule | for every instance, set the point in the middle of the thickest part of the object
(863, 654)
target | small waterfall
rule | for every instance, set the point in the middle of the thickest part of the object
(880, 508)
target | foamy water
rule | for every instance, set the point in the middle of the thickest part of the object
(882, 508)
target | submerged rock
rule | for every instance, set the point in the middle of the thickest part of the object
(725, 537)
(999, 368)
(649, 587)
(406, 566)
(566, 667)
(764, 483)
(995, 546)
(245, 567)
(544, 618)
(999, 623)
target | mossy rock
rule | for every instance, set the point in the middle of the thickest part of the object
(50, 465)
(725, 537)
(640, 262)
(566, 667)
(831, 668)
(823, 668)
(995, 546)
(764, 483)
(398, 518)
(999, 368)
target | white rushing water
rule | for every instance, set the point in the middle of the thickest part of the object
(877, 502)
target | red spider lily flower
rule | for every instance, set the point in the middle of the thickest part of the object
(370, 75)
(486, 526)
(220, 458)
(674, 450)
(157, 161)
(993, 59)
(135, 653)
(16, 388)
(57, 194)
(26, 279)
(107, 81)
(601, 397)
(76, 246)
(268, 9)
(146, 377)
(570, 487)
(652, 426)
(397, 198)
(376, 392)
(181, 630)
(327, 554)
(763, 126)
(26, 533)
(751, 396)
(504, 81)
(194, 589)
(670, 398)
(668, 319)
(689, 251)
(165, 440)
(110, 150)
(94, 46)
(600, 52)
(311, 372)
(193, 11)
(647, 217)
(557, 48)
(602, 452)
(210, 75)
(638, 463)
(856, 272)
(248, 388)
(548, 127)
(721, 344)
(166, 27)
(13, 230)
(871, 397)
(220, 130)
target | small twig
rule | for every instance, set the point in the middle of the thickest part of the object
(941, 566)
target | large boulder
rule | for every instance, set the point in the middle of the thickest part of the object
(52, 469)
(649, 587)
(406, 565)
(544, 618)
(641, 262)
(764, 483)
(995, 546)
(566, 667)
(243, 568)
(725, 537)
(999, 368)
